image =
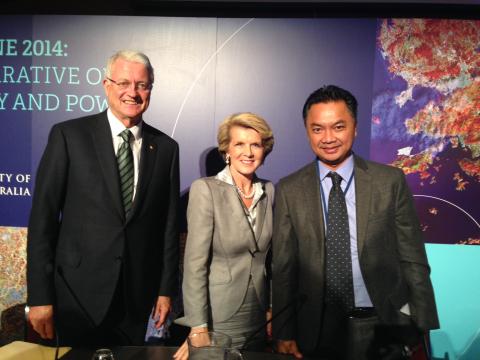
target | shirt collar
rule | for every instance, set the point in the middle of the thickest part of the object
(226, 176)
(116, 126)
(345, 170)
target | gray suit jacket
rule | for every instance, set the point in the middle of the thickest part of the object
(218, 254)
(390, 246)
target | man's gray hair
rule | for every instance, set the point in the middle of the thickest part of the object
(132, 56)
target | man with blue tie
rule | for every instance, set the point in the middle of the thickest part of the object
(103, 240)
(347, 238)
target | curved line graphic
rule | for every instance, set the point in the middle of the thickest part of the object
(469, 351)
(450, 203)
(187, 95)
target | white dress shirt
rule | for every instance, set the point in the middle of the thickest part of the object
(116, 126)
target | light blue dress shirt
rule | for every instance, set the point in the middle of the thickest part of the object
(362, 299)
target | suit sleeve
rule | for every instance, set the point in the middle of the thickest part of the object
(197, 255)
(169, 277)
(268, 261)
(284, 269)
(44, 223)
(413, 259)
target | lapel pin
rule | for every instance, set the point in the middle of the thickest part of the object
(151, 147)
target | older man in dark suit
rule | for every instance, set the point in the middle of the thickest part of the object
(347, 239)
(102, 241)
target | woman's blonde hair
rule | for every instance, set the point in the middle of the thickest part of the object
(247, 120)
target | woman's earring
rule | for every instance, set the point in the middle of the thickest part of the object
(227, 159)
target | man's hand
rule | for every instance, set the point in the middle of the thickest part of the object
(289, 347)
(162, 309)
(41, 318)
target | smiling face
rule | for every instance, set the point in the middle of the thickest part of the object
(128, 104)
(245, 150)
(331, 130)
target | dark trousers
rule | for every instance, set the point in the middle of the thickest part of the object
(117, 328)
(361, 336)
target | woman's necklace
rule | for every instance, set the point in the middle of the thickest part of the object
(245, 196)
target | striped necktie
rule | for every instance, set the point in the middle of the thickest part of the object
(339, 288)
(125, 170)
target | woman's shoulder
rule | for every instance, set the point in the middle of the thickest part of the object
(267, 185)
(207, 182)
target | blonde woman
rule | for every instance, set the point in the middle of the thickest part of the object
(229, 231)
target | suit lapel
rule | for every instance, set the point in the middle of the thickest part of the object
(363, 193)
(102, 136)
(261, 211)
(312, 203)
(233, 202)
(147, 161)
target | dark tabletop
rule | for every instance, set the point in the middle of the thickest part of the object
(157, 353)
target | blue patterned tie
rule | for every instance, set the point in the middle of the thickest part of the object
(125, 170)
(339, 286)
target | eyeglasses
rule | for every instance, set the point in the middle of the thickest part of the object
(124, 85)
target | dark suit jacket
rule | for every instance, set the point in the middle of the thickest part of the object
(77, 225)
(390, 246)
